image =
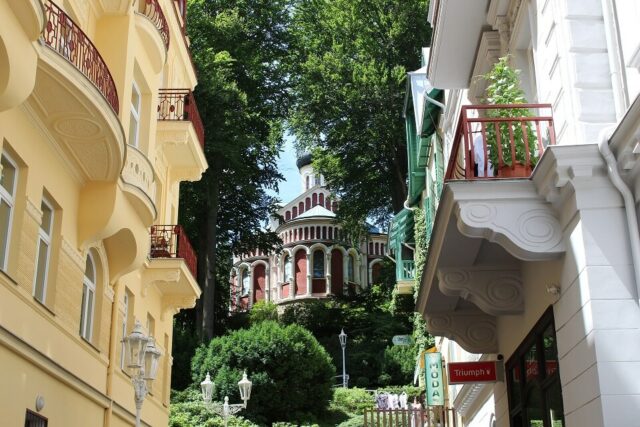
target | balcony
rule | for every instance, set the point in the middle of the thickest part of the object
(153, 32)
(172, 268)
(500, 141)
(76, 100)
(181, 133)
(22, 24)
(170, 241)
(140, 185)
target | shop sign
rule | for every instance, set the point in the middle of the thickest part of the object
(433, 379)
(472, 372)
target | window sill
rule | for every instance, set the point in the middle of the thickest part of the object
(43, 305)
(6, 275)
(90, 344)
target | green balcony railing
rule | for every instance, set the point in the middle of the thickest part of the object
(406, 270)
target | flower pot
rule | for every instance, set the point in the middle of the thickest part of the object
(518, 170)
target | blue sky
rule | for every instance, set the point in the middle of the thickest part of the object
(290, 187)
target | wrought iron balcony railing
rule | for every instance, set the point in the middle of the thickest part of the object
(66, 38)
(170, 241)
(500, 141)
(180, 104)
(152, 10)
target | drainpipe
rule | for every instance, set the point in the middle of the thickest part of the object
(112, 354)
(629, 204)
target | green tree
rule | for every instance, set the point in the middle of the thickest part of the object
(238, 48)
(282, 361)
(349, 67)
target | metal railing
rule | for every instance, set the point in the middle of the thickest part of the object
(180, 104)
(152, 10)
(431, 417)
(500, 141)
(67, 39)
(170, 241)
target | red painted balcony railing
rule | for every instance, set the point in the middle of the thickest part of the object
(180, 104)
(65, 37)
(500, 141)
(170, 241)
(152, 10)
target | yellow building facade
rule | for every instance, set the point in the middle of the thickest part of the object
(98, 128)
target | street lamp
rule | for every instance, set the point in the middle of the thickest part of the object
(141, 357)
(343, 344)
(225, 409)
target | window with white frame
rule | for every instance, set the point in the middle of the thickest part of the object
(134, 122)
(245, 282)
(43, 251)
(88, 298)
(8, 180)
(350, 268)
(288, 275)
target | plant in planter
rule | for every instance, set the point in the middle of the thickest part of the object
(514, 136)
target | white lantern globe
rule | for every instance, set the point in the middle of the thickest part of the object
(151, 357)
(135, 345)
(207, 387)
(245, 388)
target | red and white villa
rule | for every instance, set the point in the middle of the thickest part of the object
(316, 260)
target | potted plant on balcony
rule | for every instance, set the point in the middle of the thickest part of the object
(504, 89)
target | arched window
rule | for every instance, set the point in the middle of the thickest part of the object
(88, 298)
(245, 282)
(351, 268)
(307, 179)
(314, 199)
(318, 264)
(317, 179)
(321, 199)
(287, 269)
(301, 208)
(287, 216)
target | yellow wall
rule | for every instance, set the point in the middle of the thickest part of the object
(70, 146)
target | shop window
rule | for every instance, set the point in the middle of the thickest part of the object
(533, 380)
(43, 251)
(8, 181)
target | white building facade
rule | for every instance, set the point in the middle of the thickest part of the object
(543, 268)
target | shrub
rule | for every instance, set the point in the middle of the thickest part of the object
(352, 400)
(262, 311)
(187, 410)
(291, 373)
(357, 421)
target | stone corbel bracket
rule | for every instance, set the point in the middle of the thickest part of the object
(527, 229)
(171, 305)
(494, 290)
(475, 332)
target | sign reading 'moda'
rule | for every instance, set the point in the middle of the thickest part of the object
(472, 372)
(433, 379)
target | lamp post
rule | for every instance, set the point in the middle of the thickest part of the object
(343, 344)
(225, 409)
(141, 357)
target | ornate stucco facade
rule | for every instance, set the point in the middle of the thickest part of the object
(317, 260)
(98, 127)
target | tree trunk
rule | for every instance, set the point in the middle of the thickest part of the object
(202, 276)
(398, 177)
(213, 204)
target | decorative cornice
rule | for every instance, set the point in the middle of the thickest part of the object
(495, 290)
(474, 332)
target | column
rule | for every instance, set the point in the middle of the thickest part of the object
(309, 283)
(327, 269)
